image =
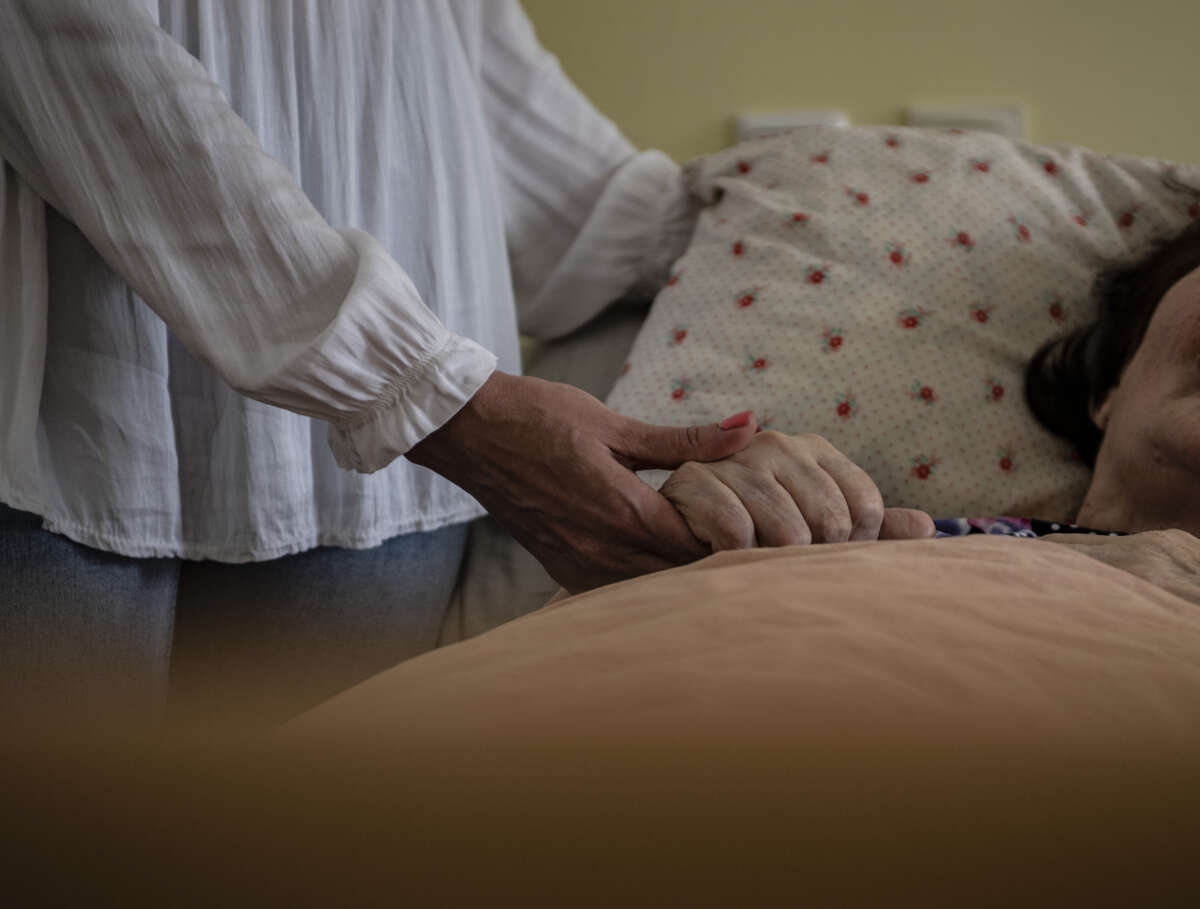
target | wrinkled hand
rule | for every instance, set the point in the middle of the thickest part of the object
(782, 490)
(1169, 559)
(555, 467)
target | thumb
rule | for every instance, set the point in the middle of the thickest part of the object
(905, 524)
(646, 446)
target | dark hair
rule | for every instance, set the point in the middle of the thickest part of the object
(1071, 374)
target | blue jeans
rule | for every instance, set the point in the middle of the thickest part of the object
(86, 634)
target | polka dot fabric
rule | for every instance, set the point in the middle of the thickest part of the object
(884, 288)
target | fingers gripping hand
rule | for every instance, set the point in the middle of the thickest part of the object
(783, 490)
(555, 467)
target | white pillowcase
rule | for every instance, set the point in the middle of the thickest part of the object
(884, 288)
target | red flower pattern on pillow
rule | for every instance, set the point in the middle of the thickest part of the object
(925, 265)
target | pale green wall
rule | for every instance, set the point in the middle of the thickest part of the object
(1116, 75)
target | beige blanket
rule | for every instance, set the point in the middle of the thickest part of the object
(964, 722)
(994, 635)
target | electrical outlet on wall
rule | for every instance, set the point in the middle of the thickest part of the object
(1007, 119)
(758, 125)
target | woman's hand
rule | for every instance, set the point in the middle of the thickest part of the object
(782, 490)
(556, 468)
(1169, 559)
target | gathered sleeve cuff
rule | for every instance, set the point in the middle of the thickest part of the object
(387, 380)
(385, 374)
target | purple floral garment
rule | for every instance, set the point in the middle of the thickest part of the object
(1011, 527)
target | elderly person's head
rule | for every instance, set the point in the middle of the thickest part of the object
(1125, 389)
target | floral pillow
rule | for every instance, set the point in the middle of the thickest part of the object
(884, 288)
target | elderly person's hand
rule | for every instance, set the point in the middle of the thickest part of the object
(782, 490)
(556, 468)
(1169, 559)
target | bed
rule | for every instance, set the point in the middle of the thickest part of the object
(978, 720)
(882, 287)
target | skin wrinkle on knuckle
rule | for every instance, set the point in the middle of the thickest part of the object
(838, 532)
(753, 458)
(752, 485)
(815, 442)
(772, 439)
(874, 510)
(866, 492)
(732, 529)
(810, 473)
(697, 502)
(870, 515)
(788, 535)
(732, 538)
(712, 511)
(776, 517)
(689, 472)
(677, 486)
(834, 524)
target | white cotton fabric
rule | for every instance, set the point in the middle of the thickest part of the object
(885, 288)
(323, 206)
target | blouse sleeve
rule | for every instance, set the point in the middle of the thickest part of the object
(588, 219)
(121, 130)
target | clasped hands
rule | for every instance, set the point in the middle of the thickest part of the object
(557, 469)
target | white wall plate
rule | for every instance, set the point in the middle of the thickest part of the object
(1007, 119)
(758, 125)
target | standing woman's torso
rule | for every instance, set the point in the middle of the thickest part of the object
(375, 107)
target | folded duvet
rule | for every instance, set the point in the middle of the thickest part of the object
(974, 721)
(993, 635)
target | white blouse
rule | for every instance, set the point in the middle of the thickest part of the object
(189, 351)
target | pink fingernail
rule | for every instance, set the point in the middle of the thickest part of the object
(737, 421)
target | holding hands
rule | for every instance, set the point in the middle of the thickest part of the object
(783, 490)
(556, 468)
